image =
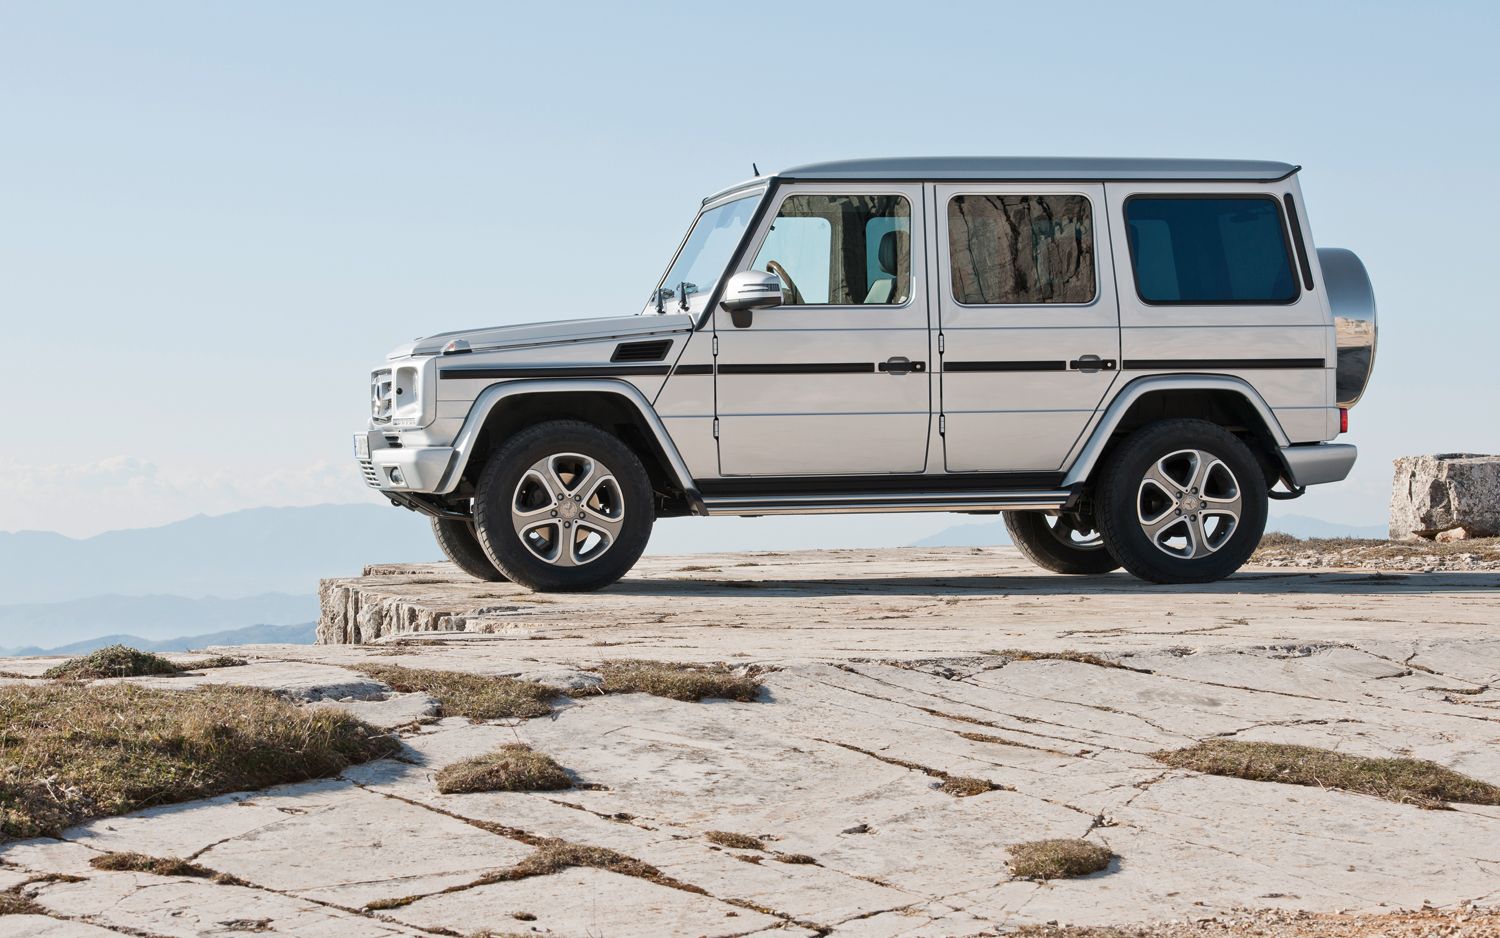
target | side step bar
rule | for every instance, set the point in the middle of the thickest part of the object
(997, 500)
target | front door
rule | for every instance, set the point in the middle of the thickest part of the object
(1030, 326)
(836, 381)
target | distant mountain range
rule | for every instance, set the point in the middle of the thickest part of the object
(149, 617)
(254, 635)
(242, 554)
(993, 533)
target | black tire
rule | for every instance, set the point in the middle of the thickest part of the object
(1122, 491)
(1044, 545)
(461, 545)
(499, 485)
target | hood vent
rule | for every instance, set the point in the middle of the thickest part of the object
(653, 351)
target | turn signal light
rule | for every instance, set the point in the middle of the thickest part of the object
(1343, 420)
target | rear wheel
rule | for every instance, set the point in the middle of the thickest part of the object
(1181, 501)
(461, 545)
(1062, 543)
(564, 507)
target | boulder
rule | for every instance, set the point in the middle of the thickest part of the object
(1450, 496)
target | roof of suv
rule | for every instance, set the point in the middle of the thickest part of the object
(1036, 168)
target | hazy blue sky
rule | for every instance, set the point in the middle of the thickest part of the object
(215, 218)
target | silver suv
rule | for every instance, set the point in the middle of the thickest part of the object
(1126, 357)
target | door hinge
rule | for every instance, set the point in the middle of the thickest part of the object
(716, 345)
(940, 343)
(942, 425)
(716, 428)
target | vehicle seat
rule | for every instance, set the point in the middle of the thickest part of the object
(891, 288)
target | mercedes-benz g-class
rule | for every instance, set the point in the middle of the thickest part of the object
(1128, 357)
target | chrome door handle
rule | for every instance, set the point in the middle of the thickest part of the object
(901, 365)
(1092, 364)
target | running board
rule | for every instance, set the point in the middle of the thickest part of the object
(998, 500)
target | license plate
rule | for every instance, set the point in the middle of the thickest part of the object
(361, 446)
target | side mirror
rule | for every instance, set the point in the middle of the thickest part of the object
(748, 291)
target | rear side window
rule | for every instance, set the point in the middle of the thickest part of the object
(1021, 249)
(1209, 250)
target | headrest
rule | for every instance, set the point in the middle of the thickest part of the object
(892, 246)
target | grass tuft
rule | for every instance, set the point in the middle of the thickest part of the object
(1057, 859)
(688, 682)
(13, 903)
(796, 858)
(1405, 781)
(553, 856)
(70, 751)
(214, 661)
(476, 696)
(1077, 657)
(160, 866)
(962, 786)
(112, 661)
(735, 841)
(516, 767)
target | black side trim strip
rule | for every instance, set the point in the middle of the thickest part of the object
(694, 370)
(1302, 260)
(854, 485)
(553, 371)
(1219, 364)
(1005, 366)
(800, 368)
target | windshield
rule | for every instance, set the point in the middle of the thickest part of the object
(704, 254)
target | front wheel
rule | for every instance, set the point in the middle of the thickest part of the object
(1060, 543)
(563, 506)
(1181, 501)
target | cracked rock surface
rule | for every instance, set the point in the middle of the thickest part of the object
(882, 674)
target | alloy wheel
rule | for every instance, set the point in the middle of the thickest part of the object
(1189, 504)
(568, 509)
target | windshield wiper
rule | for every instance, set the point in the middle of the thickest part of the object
(685, 289)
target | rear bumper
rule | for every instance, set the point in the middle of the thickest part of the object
(1317, 463)
(394, 468)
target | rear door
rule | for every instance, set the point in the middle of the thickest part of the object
(836, 381)
(1028, 319)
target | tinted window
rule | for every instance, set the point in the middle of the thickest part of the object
(842, 250)
(1021, 249)
(1209, 250)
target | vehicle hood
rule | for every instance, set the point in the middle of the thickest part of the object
(549, 333)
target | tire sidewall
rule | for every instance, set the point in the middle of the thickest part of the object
(1118, 488)
(503, 472)
(1034, 538)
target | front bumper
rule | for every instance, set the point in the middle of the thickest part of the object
(1317, 463)
(389, 466)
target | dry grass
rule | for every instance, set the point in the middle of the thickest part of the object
(160, 866)
(553, 856)
(735, 841)
(70, 751)
(1406, 781)
(213, 661)
(1077, 657)
(1278, 545)
(1462, 922)
(112, 661)
(516, 767)
(476, 696)
(1057, 859)
(13, 903)
(689, 682)
(959, 786)
(963, 786)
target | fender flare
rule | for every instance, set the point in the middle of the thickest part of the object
(1088, 455)
(494, 395)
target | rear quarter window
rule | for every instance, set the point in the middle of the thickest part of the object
(1208, 250)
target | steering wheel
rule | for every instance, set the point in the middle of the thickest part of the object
(793, 295)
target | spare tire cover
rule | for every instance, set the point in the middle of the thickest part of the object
(1351, 298)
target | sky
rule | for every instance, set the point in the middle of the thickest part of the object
(216, 218)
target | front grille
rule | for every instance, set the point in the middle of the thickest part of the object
(372, 479)
(381, 387)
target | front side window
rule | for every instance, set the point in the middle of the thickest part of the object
(705, 253)
(1209, 250)
(1021, 249)
(840, 250)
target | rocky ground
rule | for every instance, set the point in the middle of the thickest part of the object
(885, 675)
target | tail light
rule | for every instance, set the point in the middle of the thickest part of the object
(1343, 420)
